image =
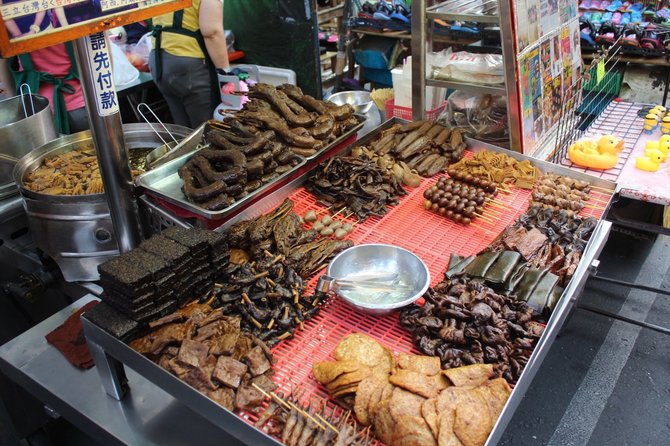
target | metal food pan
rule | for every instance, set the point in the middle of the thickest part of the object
(164, 183)
(105, 347)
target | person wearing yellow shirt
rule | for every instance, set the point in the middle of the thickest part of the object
(189, 49)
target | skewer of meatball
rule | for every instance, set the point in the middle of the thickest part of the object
(456, 200)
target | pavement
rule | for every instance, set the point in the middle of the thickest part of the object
(605, 382)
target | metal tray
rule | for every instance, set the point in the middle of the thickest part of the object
(111, 354)
(164, 183)
(343, 137)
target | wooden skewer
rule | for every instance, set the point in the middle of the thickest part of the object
(601, 200)
(343, 208)
(600, 188)
(326, 422)
(480, 227)
(595, 207)
(499, 203)
(484, 217)
(289, 405)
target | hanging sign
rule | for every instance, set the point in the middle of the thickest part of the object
(99, 59)
(34, 24)
(600, 71)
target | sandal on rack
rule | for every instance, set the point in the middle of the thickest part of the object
(607, 34)
(630, 36)
(587, 33)
(650, 40)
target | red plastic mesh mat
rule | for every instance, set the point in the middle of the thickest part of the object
(409, 225)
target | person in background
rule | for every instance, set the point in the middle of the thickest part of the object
(189, 50)
(52, 72)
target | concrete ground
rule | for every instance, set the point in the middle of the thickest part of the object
(606, 382)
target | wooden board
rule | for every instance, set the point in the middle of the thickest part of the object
(72, 19)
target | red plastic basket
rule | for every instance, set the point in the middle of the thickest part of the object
(405, 113)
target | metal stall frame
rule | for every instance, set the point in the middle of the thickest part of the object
(111, 354)
(422, 40)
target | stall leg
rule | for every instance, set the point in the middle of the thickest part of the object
(95, 69)
(112, 374)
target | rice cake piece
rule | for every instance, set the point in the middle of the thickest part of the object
(383, 421)
(430, 415)
(470, 375)
(349, 378)
(412, 431)
(473, 421)
(346, 390)
(415, 383)
(327, 371)
(376, 397)
(495, 393)
(366, 388)
(446, 435)
(426, 365)
(404, 403)
(364, 349)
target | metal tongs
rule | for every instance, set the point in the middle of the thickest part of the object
(23, 100)
(380, 282)
(159, 151)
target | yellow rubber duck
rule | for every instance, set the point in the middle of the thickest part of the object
(603, 154)
(660, 111)
(650, 123)
(651, 162)
(665, 125)
(662, 145)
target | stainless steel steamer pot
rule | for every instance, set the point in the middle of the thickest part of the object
(76, 230)
(21, 132)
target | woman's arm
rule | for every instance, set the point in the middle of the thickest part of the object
(210, 21)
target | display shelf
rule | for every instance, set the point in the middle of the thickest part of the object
(423, 37)
(480, 18)
(465, 86)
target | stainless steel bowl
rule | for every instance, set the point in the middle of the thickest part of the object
(360, 100)
(377, 259)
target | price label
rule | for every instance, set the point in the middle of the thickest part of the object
(600, 72)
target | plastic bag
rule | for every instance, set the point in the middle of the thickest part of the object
(124, 71)
(138, 54)
(468, 67)
(484, 117)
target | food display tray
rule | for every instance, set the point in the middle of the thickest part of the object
(431, 237)
(164, 183)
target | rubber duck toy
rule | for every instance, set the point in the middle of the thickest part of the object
(662, 145)
(650, 123)
(602, 154)
(665, 125)
(651, 162)
(660, 111)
